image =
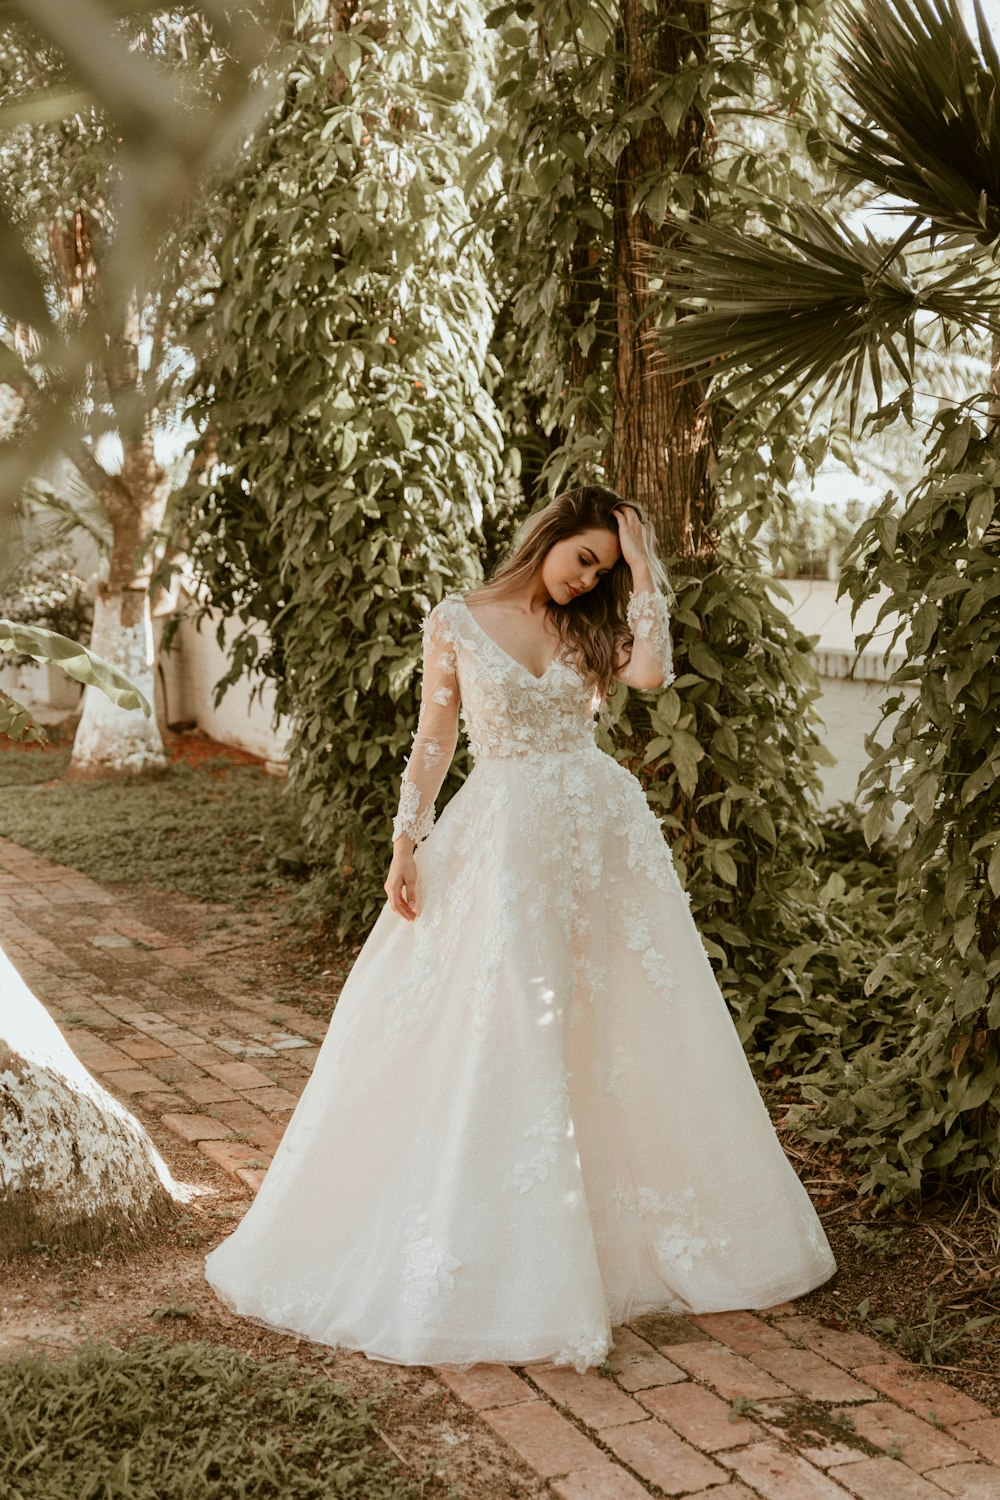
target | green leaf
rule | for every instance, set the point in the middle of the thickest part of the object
(77, 661)
(16, 723)
(704, 662)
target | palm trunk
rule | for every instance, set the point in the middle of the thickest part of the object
(662, 449)
(111, 738)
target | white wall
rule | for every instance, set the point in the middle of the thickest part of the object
(850, 710)
(189, 672)
(853, 686)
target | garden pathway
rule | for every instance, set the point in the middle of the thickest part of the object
(730, 1405)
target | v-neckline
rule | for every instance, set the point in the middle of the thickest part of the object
(497, 646)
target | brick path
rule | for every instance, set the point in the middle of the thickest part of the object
(730, 1405)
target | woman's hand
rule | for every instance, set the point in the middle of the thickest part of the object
(632, 539)
(401, 884)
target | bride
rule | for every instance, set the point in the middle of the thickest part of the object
(531, 1118)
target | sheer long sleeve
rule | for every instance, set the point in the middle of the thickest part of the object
(651, 664)
(436, 734)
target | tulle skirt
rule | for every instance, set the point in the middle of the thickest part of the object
(531, 1118)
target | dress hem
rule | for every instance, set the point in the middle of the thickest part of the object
(561, 1356)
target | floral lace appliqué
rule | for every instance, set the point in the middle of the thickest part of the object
(432, 753)
(649, 621)
(554, 1125)
(679, 1236)
(586, 1350)
(428, 1267)
(409, 819)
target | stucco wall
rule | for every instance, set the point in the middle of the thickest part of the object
(189, 672)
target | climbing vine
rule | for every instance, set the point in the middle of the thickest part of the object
(342, 376)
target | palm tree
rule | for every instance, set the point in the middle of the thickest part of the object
(812, 307)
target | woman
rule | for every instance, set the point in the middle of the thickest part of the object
(531, 1118)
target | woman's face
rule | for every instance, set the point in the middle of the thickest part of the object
(578, 563)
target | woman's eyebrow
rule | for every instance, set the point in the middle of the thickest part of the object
(593, 554)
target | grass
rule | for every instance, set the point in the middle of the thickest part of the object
(215, 832)
(189, 1421)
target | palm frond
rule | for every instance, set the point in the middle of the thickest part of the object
(54, 512)
(812, 313)
(930, 100)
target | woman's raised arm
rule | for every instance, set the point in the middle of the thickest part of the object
(651, 664)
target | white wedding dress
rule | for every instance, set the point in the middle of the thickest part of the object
(531, 1118)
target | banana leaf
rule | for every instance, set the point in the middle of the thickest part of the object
(77, 661)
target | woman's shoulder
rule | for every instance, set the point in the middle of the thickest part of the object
(446, 613)
(457, 599)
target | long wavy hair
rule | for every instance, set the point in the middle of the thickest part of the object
(592, 627)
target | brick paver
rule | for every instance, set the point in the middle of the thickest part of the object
(967, 1481)
(811, 1375)
(546, 1440)
(842, 1346)
(779, 1474)
(819, 1443)
(636, 1365)
(920, 1445)
(929, 1398)
(593, 1401)
(983, 1435)
(742, 1331)
(611, 1483)
(658, 1455)
(699, 1416)
(206, 1058)
(728, 1373)
(886, 1479)
(484, 1386)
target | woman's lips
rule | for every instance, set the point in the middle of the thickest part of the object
(573, 591)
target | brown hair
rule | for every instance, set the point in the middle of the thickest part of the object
(593, 626)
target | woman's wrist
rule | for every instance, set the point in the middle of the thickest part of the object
(403, 844)
(642, 579)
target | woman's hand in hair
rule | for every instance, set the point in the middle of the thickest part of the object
(632, 540)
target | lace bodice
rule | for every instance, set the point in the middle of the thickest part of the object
(506, 709)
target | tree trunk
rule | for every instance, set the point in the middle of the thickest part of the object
(662, 445)
(110, 738)
(76, 1168)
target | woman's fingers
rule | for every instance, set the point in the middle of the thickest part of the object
(402, 900)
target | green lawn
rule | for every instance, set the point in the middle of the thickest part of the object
(217, 832)
(189, 1421)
